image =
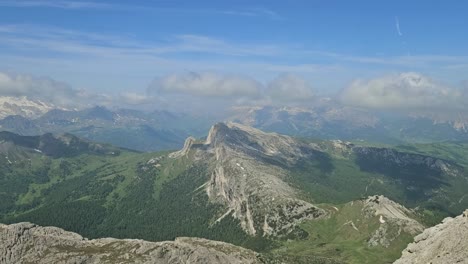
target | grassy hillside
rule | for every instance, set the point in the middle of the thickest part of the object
(119, 195)
(344, 236)
(342, 175)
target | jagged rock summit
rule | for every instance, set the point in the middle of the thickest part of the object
(248, 169)
(29, 243)
(441, 244)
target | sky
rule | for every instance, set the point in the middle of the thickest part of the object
(371, 54)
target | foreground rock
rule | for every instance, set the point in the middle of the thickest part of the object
(29, 243)
(443, 243)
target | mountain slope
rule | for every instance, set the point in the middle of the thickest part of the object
(443, 243)
(63, 145)
(370, 230)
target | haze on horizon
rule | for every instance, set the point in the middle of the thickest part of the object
(206, 55)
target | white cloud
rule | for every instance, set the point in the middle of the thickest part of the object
(63, 41)
(45, 89)
(55, 4)
(288, 88)
(81, 51)
(131, 98)
(206, 84)
(130, 6)
(406, 91)
(218, 91)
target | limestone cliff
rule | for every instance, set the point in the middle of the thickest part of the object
(248, 169)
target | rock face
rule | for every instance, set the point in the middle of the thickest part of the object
(249, 178)
(393, 217)
(248, 171)
(29, 243)
(184, 151)
(443, 243)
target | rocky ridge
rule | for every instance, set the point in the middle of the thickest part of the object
(248, 177)
(401, 159)
(393, 217)
(443, 243)
(29, 243)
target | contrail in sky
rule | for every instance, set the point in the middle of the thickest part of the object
(397, 24)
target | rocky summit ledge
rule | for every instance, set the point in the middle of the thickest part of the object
(442, 244)
(30, 243)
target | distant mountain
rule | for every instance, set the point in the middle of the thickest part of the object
(64, 145)
(331, 120)
(23, 106)
(20, 124)
(303, 201)
(125, 128)
(162, 130)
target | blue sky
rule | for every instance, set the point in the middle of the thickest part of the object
(122, 46)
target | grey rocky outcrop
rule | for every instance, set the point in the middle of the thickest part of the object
(394, 219)
(184, 151)
(248, 170)
(444, 243)
(29, 243)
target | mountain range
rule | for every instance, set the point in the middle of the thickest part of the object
(163, 130)
(289, 199)
(123, 127)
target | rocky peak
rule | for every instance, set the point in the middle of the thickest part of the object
(247, 176)
(380, 205)
(393, 220)
(253, 141)
(391, 212)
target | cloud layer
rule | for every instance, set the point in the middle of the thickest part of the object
(204, 90)
(285, 89)
(406, 92)
(403, 92)
(206, 84)
(49, 90)
(288, 88)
